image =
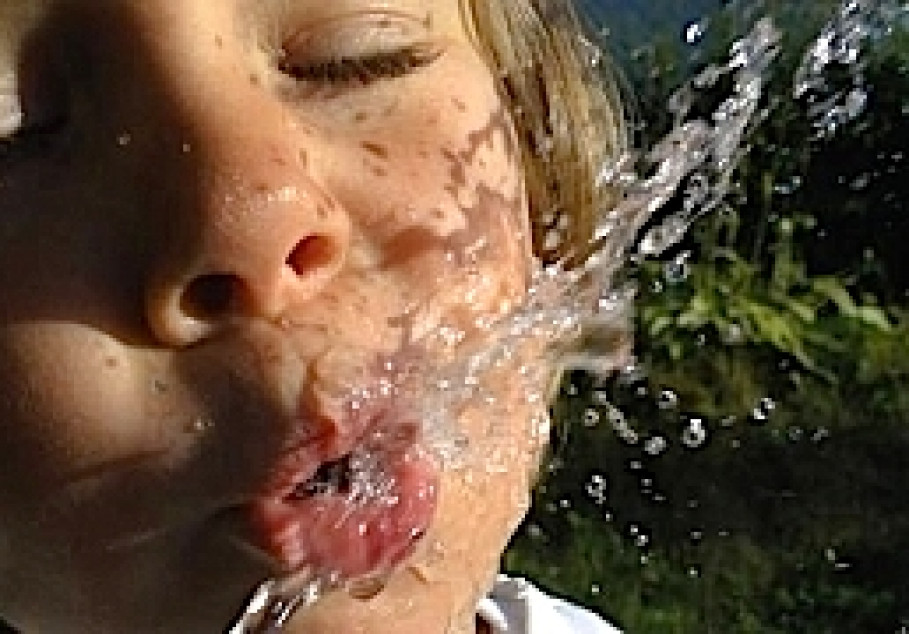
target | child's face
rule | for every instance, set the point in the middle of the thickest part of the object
(211, 232)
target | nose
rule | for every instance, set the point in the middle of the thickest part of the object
(262, 238)
(252, 233)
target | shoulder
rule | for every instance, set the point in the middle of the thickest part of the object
(516, 606)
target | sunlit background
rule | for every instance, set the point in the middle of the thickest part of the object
(748, 474)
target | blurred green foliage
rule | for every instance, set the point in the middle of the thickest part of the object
(748, 475)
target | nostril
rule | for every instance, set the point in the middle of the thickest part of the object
(210, 296)
(311, 254)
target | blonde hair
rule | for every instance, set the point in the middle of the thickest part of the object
(567, 111)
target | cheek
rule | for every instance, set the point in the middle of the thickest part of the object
(69, 400)
(439, 199)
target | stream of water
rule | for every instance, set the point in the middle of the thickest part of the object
(695, 162)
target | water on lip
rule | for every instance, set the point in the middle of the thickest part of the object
(696, 160)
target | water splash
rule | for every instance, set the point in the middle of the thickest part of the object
(695, 161)
(695, 31)
(275, 601)
(842, 43)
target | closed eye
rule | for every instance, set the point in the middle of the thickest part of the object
(361, 70)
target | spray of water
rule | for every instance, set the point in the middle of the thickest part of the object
(857, 25)
(275, 601)
(696, 160)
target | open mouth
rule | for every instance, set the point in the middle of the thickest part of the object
(332, 478)
(358, 515)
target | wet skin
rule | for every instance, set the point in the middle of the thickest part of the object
(209, 236)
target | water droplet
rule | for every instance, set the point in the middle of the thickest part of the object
(695, 31)
(663, 236)
(667, 400)
(601, 398)
(678, 269)
(598, 489)
(656, 445)
(789, 187)
(621, 426)
(200, 425)
(762, 411)
(591, 418)
(860, 182)
(694, 435)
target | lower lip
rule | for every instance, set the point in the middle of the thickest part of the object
(333, 535)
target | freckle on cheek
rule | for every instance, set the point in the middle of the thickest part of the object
(390, 110)
(374, 148)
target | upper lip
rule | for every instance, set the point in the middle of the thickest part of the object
(319, 438)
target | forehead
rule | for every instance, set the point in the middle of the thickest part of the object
(17, 16)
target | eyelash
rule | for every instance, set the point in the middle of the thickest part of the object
(362, 70)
